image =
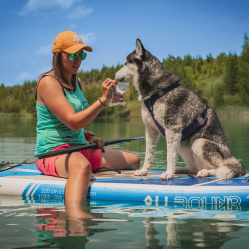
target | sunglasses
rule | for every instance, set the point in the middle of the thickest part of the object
(74, 56)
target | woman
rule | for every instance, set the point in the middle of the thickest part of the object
(62, 112)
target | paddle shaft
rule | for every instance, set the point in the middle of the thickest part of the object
(83, 147)
(6, 166)
(65, 151)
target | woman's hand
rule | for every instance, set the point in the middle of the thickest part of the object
(107, 87)
(97, 140)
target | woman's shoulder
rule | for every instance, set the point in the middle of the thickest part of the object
(48, 78)
(47, 75)
(48, 90)
(48, 84)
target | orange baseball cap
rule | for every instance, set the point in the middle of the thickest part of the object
(69, 42)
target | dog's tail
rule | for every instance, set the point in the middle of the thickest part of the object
(230, 168)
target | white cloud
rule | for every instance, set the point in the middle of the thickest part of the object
(74, 8)
(24, 76)
(72, 26)
(38, 5)
(44, 69)
(45, 50)
(89, 38)
(80, 12)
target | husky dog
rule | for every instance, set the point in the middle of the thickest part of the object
(190, 126)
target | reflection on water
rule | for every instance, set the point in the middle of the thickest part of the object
(120, 225)
(53, 226)
(29, 223)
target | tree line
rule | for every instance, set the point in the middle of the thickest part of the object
(223, 81)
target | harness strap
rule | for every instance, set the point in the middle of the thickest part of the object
(149, 103)
(186, 132)
(194, 126)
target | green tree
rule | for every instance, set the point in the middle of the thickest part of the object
(2, 95)
(187, 61)
(231, 74)
(199, 65)
(210, 58)
(219, 97)
(31, 105)
(11, 105)
(175, 65)
(244, 73)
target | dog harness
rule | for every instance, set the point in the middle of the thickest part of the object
(186, 132)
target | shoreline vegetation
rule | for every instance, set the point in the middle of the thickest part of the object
(226, 112)
(223, 81)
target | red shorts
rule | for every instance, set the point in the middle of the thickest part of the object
(47, 165)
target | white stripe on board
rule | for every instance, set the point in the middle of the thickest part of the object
(161, 188)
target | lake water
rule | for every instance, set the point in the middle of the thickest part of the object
(26, 223)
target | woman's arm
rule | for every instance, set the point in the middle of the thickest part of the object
(50, 94)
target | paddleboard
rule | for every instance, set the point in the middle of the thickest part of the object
(28, 182)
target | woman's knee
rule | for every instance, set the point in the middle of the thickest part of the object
(81, 169)
(136, 162)
(85, 168)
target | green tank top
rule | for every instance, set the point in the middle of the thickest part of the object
(51, 132)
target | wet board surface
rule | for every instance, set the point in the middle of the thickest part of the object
(27, 181)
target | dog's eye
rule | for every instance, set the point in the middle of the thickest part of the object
(125, 63)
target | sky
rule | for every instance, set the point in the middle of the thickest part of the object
(111, 27)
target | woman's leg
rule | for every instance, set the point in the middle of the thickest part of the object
(119, 159)
(78, 170)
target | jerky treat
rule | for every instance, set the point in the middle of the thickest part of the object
(118, 94)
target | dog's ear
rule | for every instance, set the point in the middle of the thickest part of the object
(139, 48)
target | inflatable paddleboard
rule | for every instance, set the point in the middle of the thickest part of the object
(28, 182)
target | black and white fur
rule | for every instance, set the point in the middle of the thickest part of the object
(205, 152)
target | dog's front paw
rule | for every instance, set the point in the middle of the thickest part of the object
(202, 173)
(166, 176)
(141, 172)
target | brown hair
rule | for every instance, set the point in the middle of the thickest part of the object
(57, 68)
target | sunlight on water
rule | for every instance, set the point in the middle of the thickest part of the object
(43, 223)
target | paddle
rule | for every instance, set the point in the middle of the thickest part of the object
(5, 166)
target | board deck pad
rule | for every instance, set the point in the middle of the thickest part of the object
(27, 181)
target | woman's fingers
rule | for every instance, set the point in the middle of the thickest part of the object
(107, 87)
(99, 141)
(108, 83)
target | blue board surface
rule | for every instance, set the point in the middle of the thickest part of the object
(28, 181)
